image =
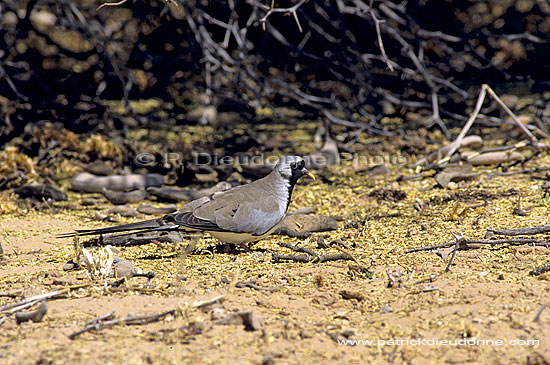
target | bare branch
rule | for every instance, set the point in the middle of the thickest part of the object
(379, 37)
(292, 10)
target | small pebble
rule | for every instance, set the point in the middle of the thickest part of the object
(217, 313)
(348, 333)
(68, 266)
(248, 319)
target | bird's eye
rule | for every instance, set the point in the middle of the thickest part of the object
(293, 165)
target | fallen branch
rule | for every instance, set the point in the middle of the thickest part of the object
(517, 231)
(252, 285)
(541, 270)
(448, 150)
(459, 238)
(31, 301)
(106, 322)
(380, 216)
(346, 252)
(27, 303)
(473, 244)
(205, 303)
(307, 258)
(298, 249)
(517, 172)
(539, 312)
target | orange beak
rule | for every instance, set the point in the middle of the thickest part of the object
(309, 174)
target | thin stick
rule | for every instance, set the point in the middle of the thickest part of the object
(436, 117)
(252, 284)
(533, 139)
(486, 89)
(540, 270)
(467, 126)
(299, 249)
(430, 247)
(30, 301)
(344, 251)
(123, 1)
(465, 244)
(130, 320)
(379, 38)
(291, 10)
(100, 319)
(308, 258)
(205, 303)
(459, 238)
(519, 231)
(27, 302)
(537, 316)
(111, 4)
(430, 279)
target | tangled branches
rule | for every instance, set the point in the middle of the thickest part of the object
(349, 61)
(356, 56)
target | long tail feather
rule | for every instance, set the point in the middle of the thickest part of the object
(152, 224)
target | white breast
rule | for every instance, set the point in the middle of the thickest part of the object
(282, 192)
(232, 237)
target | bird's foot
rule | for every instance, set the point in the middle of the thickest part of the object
(245, 247)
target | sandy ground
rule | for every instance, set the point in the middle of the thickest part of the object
(484, 306)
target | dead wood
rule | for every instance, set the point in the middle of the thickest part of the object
(517, 231)
(466, 244)
(309, 256)
(106, 321)
(540, 270)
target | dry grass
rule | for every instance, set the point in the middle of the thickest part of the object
(487, 294)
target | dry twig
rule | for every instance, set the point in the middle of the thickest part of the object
(459, 238)
(486, 89)
(517, 231)
(466, 244)
(539, 312)
(291, 10)
(106, 321)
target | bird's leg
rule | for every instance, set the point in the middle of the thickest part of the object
(244, 247)
(190, 246)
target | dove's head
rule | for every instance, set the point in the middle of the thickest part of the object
(293, 168)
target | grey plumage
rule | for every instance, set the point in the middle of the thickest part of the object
(244, 213)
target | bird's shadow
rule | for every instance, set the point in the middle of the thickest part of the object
(158, 257)
(223, 248)
(230, 248)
